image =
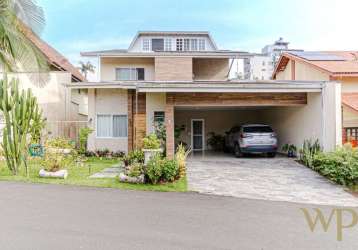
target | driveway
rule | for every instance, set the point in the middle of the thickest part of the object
(276, 179)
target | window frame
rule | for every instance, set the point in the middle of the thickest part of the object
(130, 68)
(168, 44)
(146, 42)
(111, 127)
(179, 44)
(201, 44)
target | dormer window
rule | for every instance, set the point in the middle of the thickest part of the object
(157, 44)
(201, 44)
(146, 44)
(179, 44)
(168, 44)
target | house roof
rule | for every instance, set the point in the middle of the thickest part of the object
(53, 56)
(350, 100)
(172, 33)
(334, 63)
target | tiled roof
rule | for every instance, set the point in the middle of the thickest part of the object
(350, 100)
(53, 56)
(346, 67)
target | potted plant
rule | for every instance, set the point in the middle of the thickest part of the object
(215, 141)
(151, 146)
(290, 149)
(53, 164)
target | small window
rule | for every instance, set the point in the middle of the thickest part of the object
(157, 44)
(168, 44)
(146, 44)
(186, 44)
(140, 74)
(201, 44)
(159, 117)
(179, 44)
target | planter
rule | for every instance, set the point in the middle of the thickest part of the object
(61, 174)
(149, 153)
(65, 151)
(129, 179)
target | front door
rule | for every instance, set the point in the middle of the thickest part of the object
(197, 134)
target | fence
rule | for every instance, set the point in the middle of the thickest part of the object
(65, 129)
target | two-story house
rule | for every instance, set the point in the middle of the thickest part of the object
(181, 78)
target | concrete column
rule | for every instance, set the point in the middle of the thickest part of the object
(91, 143)
(130, 120)
(332, 116)
(169, 125)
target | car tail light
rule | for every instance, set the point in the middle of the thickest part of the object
(244, 135)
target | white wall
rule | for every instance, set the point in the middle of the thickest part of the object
(107, 101)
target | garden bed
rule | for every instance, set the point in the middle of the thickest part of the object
(80, 176)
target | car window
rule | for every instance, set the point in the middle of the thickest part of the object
(258, 129)
(234, 129)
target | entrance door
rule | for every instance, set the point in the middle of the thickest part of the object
(197, 134)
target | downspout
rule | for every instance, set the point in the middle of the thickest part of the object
(136, 116)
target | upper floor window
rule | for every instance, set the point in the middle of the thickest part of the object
(194, 44)
(179, 44)
(167, 44)
(186, 44)
(130, 74)
(201, 44)
(157, 44)
(146, 44)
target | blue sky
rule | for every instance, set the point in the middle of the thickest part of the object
(73, 26)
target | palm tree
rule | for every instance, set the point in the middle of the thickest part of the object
(86, 67)
(17, 52)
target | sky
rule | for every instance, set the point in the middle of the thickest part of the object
(73, 26)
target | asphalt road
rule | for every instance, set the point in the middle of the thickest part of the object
(52, 217)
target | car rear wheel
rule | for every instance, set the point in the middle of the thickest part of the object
(237, 151)
(271, 155)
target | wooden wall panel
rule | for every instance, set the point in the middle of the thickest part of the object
(238, 99)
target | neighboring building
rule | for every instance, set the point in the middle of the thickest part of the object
(261, 66)
(59, 106)
(181, 79)
(340, 66)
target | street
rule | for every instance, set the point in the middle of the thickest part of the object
(36, 216)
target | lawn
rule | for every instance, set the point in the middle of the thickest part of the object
(79, 175)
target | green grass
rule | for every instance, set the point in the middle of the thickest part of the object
(79, 175)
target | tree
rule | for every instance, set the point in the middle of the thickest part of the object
(86, 67)
(17, 52)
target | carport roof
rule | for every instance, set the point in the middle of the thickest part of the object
(207, 86)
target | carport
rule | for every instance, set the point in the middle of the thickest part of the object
(296, 110)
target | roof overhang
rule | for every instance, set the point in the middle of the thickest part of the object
(209, 86)
(206, 54)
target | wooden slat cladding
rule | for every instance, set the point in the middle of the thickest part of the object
(140, 129)
(141, 103)
(238, 99)
(130, 120)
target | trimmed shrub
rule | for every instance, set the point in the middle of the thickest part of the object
(151, 141)
(161, 170)
(340, 166)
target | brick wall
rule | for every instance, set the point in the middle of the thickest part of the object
(173, 69)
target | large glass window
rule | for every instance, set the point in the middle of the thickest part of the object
(112, 126)
(129, 74)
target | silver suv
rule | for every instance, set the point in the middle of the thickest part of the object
(252, 138)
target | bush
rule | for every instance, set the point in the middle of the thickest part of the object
(136, 156)
(180, 157)
(308, 152)
(151, 141)
(340, 166)
(60, 142)
(102, 152)
(54, 161)
(118, 154)
(83, 137)
(135, 170)
(216, 141)
(161, 170)
(90, 154)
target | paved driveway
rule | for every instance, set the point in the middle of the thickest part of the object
(278, 179)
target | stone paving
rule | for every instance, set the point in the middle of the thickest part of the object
(111, 172)
(256, 177)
